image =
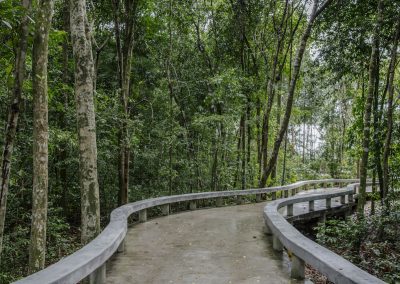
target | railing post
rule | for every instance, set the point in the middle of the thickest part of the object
(276, 243)
(297, 268)
(325, 185)
(165, 209)
(322, 219)
(98, 276)
(192, 205)
(267, 229)
(328, 202)
(219, 202)
(306, 187)
(311, 205)
(273, 195)
(289, 210)
(293, 191)
(143, 215)
(286, 193)
(239, 200)
(121, 247)
(350, 197)
(343, 199)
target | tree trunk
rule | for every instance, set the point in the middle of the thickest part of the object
(296, 70)
(84, 68)
(388, 139)
(271, 89)
(37, 249)
(367, 114)
(13, 115)
(124, 34)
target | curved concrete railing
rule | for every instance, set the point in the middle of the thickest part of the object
(304, 250)
(90, 260)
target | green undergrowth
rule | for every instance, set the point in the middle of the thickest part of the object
(372, 243)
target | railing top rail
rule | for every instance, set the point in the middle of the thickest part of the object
(335, 267)
(83, 262)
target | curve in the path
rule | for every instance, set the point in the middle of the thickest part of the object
(219, 245)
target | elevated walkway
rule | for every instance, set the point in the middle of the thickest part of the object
(219, 245)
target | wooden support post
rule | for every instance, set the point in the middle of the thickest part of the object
(350, 198)
(297, 268)
(143, 215)
(273, 195)
(219, 202)
(165, 209)
(276, 244)
(192, 205)
(98, 276)
(328, 203)
(289, 210)
(311, 205)
(293, 191)
(343, 199)
(286, 193)
(306, 187)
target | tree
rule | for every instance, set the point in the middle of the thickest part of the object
(84, 68)
(40, 136)
(37, 250)
(13, 115)
(124, 25)
(367, 112)
(389, 131)
(296, 70)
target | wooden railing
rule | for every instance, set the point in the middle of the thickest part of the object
(90, 261)
(303, 250)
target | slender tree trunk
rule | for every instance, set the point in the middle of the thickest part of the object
(281, 32)
(367, 114)
(296, 71)
(284, 160)
(377, 143)
(84, 69)
(124, 12)
(37, 249)
(388, 139)
(66, 78)
(13, 115)
(258, 126)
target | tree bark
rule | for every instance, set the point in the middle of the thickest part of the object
(367, 114)
(37, 248)
(13, 115)
(84, 69)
